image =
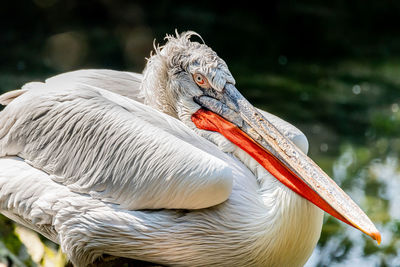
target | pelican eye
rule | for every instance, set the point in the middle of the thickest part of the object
(201, 80)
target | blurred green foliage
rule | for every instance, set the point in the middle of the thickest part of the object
(331, 68)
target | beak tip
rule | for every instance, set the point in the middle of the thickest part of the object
(377, 236)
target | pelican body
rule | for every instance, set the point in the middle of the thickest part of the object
(173, 166)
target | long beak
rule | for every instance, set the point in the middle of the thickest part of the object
(234, 117)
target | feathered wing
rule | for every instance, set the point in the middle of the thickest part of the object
(120, 82)
(78, 128)
(114, 148)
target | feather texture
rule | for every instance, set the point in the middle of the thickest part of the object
(103, 144)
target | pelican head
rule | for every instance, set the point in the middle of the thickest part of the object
(188, 80)
(179, 71)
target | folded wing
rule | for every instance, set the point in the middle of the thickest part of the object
(113, 148)
(80, 129)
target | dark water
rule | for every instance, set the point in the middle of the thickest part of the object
(333, 70)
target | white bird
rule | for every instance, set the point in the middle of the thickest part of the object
(174, 167)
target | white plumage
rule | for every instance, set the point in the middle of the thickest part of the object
(103, 162)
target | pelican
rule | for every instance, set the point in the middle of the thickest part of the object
(173, 167)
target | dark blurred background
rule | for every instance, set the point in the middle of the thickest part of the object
(329, 67)
(104, 33)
